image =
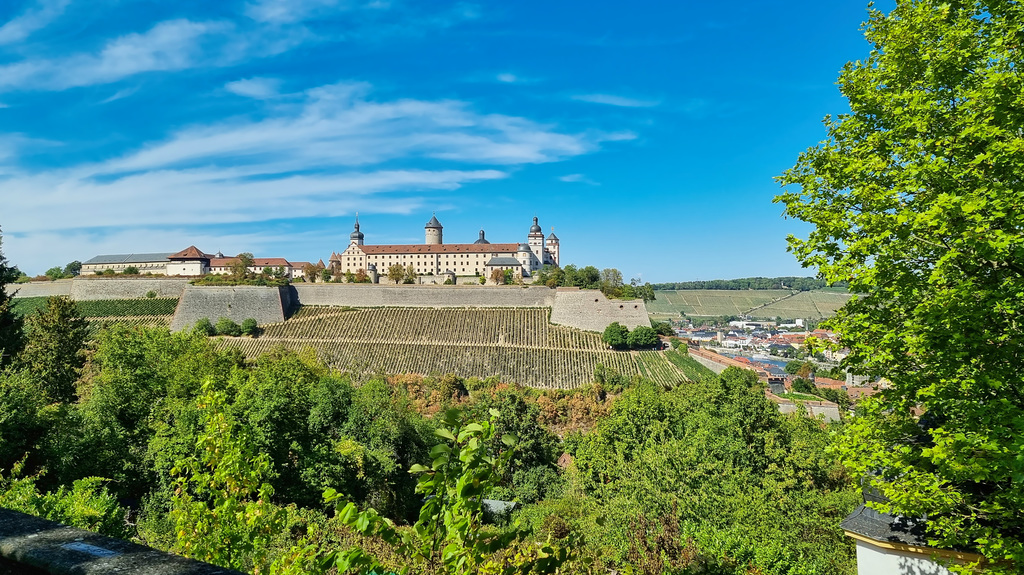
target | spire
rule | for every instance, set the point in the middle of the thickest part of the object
(433, 223)
(535, 228)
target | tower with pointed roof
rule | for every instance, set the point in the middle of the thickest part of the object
(552, 247)
(356, 237)
(433, 231)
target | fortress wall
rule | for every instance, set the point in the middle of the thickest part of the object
(589, 310)
(264, 304)
(39, 289)
(368, 295)
(83, 289)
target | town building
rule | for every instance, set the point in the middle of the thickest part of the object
(435, 258)
(190, 261)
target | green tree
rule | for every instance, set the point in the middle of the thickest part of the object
(131, 271)
(205, 327)
(227, 326)
(916, 200)
(55, 273)
(801, 385)
(54, 349)
(250, 327)
(641, 337)
(410, 274)
(396, 273)
(615, 335)
(10, 322)
(73, 268)
(240, 266)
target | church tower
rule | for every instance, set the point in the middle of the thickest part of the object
(433, 231)
(536, 243)
(356, 237)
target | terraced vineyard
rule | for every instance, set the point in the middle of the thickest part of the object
(150, 312)
(703, 303)
(815, 304)
(519, 345)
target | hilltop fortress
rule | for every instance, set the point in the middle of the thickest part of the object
(435, 258)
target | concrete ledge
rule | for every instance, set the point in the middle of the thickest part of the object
(32, 545)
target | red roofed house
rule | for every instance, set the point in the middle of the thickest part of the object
(190, 261)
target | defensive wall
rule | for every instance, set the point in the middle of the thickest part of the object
(82, 289)
(589, 310)
(33, 546)
(379, 295)
(264, 304)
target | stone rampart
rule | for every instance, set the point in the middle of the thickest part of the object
(83, 288)
(39, 289)
(264, 304)
(368, 295)
(589, 310)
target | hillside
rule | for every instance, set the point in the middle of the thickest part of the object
(151, 312)
(759, 304)
(517, 345)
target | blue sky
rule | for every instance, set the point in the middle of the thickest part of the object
(645, 133)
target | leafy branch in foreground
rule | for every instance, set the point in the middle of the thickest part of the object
(448, 537)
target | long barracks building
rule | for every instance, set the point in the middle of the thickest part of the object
(434, 257)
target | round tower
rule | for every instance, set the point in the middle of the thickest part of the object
(356, 237)
(433, 231)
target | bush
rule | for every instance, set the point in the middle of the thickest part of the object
(802, 385)
(449, 282)
(615, 335)
(227, 326)
(131, 271)
(205, 327)
(642, 337)
(250, 327)
(151, 294)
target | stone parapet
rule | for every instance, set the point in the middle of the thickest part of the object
(39, 289)
(368, 295)
(30, 545)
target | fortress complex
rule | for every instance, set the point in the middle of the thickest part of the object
(436, 258)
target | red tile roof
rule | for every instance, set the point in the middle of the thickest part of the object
(189, 253)
(441, 249)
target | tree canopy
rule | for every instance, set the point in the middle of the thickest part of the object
(10, 322)
(917, 200)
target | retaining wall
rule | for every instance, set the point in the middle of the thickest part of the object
(39, 289)
(589, 310)
(83, 288)
(368, 295)
(264, 304)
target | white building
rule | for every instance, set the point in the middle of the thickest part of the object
(434, 257)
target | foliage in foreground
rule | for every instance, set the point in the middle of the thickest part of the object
(228, 460)
(916, 200)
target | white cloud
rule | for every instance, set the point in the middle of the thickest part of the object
(578, 178)
(259, 88)
(612, 100)
(507, 78)
(123, 93)
(169, 45)
(291, 11)
(319, 157)
(38, 17)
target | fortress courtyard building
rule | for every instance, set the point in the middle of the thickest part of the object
(435, 258)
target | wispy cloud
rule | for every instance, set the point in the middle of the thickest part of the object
(613, 100)
(510, 78)
(35, 18)
(258, 88)
(578, 178)
(169, 45)
(120, 94)
(321, 156)
(290, 11)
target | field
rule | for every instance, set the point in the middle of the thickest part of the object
(703, 303)
(816, 304)
(518, 345)
(148, 312)
(759, 304)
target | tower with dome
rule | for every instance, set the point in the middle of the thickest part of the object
(434, 259)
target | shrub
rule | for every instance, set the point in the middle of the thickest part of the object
(227, 326)
(205, 327)
(641, 337)
(250, 327)
(131, 271)
(151, 294)
(449, 282)
(109, 272)
(482, 280)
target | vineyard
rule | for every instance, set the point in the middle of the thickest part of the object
(761, 304)
(518, 345)
(107, 308)
(817, 304)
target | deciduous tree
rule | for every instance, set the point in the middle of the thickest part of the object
(396, 273)
(917, 200)
(10, 323)
(615, 335)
